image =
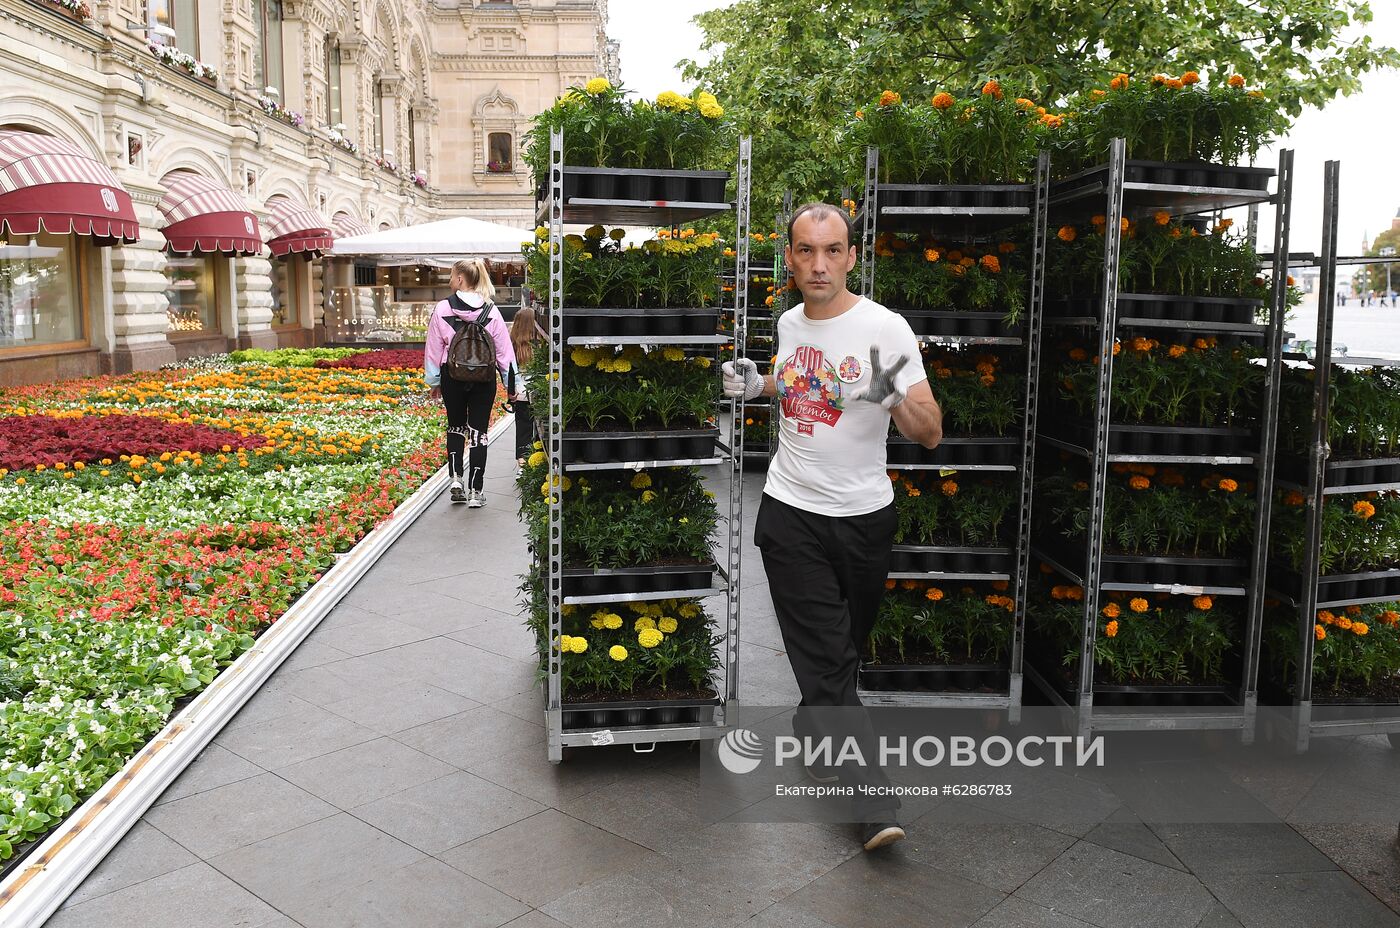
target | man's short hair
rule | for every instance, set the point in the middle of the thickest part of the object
(823, 211)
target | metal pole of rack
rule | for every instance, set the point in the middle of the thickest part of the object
(1098, 464)
(554, 716)
(1318, 449)
(1268, 451)
(868, 231)
(735, 538)
(1034, 323)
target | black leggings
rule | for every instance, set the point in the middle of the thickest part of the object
(468, 419)
(525, 436)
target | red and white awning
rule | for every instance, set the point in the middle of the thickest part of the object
(297, 228)
(202, 214)
(48, 184)
(347, 226)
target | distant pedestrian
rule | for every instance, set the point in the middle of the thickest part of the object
(1342, 297)
(525, 336)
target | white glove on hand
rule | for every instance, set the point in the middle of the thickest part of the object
(741, 379)
(882, 389)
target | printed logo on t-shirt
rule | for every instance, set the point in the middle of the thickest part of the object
(810, 389)
(850, 369)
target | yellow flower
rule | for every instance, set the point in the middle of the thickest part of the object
(667, 624)
(617, 652)
(598, 85)
(612, 620)
(644, 622)
(621, 366)
(537, 458)
(650, 638)
(641, 481)
(689, 611)
(673, 354)
(648, 496)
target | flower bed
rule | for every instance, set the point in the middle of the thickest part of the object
(127, 583)
(184, 62)
(667, 271)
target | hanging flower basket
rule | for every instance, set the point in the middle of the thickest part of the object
(182, 61)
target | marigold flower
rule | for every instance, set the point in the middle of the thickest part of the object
(942, 101)
(1112, 611)
(949, 488)
(933, 594)
(1138, 604)
(1111, 629)
(650, 637)
(1159, 79)
(1319, 632)
(598, 85)
(1067, 234)
(1343, 623)
(1190, 77)
(1097, 94)
(1161, 217)
(1203, 603)
(991, 264)
(1228, 485)
(641, 481)
(1006, 248)
(1025, 104)
(666, 624)
(617, 652)
(1360, 628)
(992, 89)
(1119, 82)
(931, 255)
(1201, 344)
(1363, 509)
(1390, 617)
(1139, 482)
(890, 584)
(889, 98)
(1099, 220)
(1078, 354)
(1236, 80)
(1075, 593)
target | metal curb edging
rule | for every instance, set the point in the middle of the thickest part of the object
(34, 891)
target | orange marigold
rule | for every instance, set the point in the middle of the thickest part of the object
(889, 98)
(949, 488)
(1176, 351)
(942, 101)
(1319, 632)
(992, 89)
(1112, 611)
(1139, 482)
(1025, 104)
(1363, 509)
(1078, 354)
(1138, 604)
(1236, 80)
(1175, 83)
(1390, 617)
(1228, 485)
(1111, 629)
(933, 593)
(890, 584)
(991, 264)
(1006, 248)
(1202, 603)
(1191, 77)
(931, 255)
(860, 114)
(1326, 617)
(1161, 217)
(1119, 82)
(1067, 234)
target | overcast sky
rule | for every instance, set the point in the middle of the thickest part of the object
(1357, 130)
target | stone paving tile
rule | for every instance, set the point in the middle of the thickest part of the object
(355, 631)
(1018, 913)
(535, 919)
(444, 813)
(401, 708)
(1368, 852)
(1002, 854)
(500, 634)
(365, 772)
(427, 894)
(145, 853)
(764, 860)
(1300, 900)
(197, 896)
(241, 813)
(1220, 917)
(215, 766)
(1114, 890)
(1242, 848)
(541, 858)
(293, 738)
(782, 915)
(886, 889)
(645, 899)
(459, 739)
(300, 870)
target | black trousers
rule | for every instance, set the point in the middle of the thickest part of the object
(468, 408)
(826, 576)
(525, 436)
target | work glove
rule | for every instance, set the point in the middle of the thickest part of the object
(882, 389)
(741, 379)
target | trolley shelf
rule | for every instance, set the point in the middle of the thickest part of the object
(594, 340)
(642, 465)
(1149, 458)
(647, 596)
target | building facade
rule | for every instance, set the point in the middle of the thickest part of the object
(248, 133)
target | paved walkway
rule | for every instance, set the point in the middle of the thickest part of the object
(393, 774)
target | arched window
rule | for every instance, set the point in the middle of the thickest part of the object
(500, 154)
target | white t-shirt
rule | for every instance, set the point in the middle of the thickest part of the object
(831, 449)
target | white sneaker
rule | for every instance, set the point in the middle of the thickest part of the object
(476, 499)
(459, 495)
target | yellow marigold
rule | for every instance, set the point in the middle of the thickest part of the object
(648, 496)
(933, 594)
(949, 488)
(650, 638)
(1236, 80)
(1139, 482)
(1190, 77)
(579, 645)
(641, 481)
(537, 458)
(889, 98)
(1319, 632)
(1137, 604)
(1067, 234)
(689, 611)
(992, 89)
(666, 624)
(1363, 509)
(612, 621)
(617, 652)
(1203, 603)
(991, 264)
(942, 101)
(1119, 82)
(598, 85)
(1112, 611)
(711, 110)
(1111, 629)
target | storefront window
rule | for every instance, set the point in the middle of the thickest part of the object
(39, 299)
(191, 291)
(286, 292)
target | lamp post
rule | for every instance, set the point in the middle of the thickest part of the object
(1387, 251)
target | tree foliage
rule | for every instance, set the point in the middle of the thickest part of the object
(791, 71)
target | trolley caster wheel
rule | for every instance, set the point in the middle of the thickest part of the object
(1394, 737)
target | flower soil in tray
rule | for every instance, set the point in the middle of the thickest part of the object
(660, 445)
(640, 323)
(911, 676)
(1165, 440)
(954, 453)
(957, 324)
(1204, 309)
(657, 578)
(1344, 473)
(1179, 174)
(645, 184)
(678, 707)
(1333, 589)
(950, 560)
(951, 196)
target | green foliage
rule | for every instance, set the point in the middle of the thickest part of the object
(1359, 533)
(978, 396)
(291, 357)
(1355, 649)
(664, 272)
(924, 623)
(913, 272)
(935, 510)
(1157, 255)
(1364, 417)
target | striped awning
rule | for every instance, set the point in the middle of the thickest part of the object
(296, 229)
(347, 226)
(50, 185)
(202, 214)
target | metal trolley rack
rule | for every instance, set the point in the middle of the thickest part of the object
(1108, 190)
(969, 214)
(708, 721)
(1323, 478)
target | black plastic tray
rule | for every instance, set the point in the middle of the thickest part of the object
(1180, 571)
(933, 678)
(951, 560)
(613, 323)
(1335, 589)
(1108, 695)
(632, 713)
(613, 447)
(645, 184)
(648, 579)
(1180, 174)
(954, 453)
(956, 196)
(957, 323)
(1162, 439)
(1232, 311)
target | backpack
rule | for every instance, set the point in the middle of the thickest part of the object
(471, 356)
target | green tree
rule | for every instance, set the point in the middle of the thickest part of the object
(791, 71)
(1373, 276)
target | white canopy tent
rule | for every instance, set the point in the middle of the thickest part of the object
(461, 237)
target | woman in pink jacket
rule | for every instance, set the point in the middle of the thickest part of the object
(468, 404)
